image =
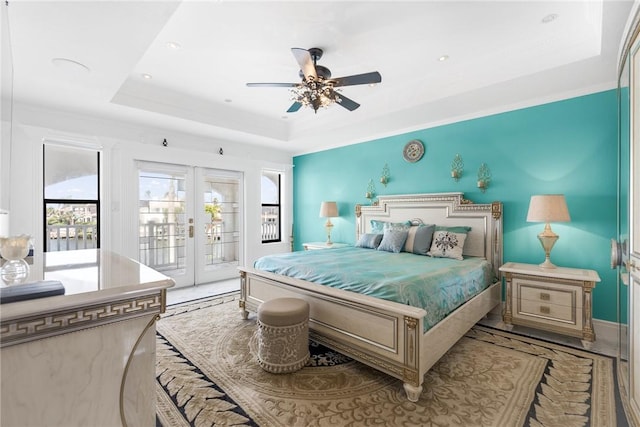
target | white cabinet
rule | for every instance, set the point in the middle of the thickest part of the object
(557, 300)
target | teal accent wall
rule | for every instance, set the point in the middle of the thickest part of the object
(568, 147)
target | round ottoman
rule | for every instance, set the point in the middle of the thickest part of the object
(283, 335)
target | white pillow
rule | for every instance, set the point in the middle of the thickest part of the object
(447, 244)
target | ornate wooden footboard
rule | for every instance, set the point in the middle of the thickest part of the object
(386, 335)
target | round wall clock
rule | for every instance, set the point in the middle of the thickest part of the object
(413, 151)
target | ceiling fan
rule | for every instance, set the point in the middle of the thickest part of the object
(317, 88)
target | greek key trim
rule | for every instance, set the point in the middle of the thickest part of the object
(49, 324)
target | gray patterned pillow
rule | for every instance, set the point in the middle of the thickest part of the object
(369, 241)
(393, 241)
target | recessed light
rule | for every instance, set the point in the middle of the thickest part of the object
(146, 76)
(70, 65)
(228, 100)
(173, 45)
(284, 117)
(550, 18)
(443, 58)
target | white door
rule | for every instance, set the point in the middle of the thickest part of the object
(218, 224)
(189, 222)
(165, 220)
(633, 265)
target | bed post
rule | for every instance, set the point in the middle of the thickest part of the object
(412, 381)
(243, 295)
(496, 231)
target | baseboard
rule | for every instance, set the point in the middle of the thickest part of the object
(608, 333)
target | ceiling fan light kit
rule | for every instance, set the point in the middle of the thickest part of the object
(317, 89)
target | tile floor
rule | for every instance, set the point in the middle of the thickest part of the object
(190, 293)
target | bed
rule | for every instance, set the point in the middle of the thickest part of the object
(391, 336)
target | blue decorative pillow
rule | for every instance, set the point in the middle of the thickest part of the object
(377, 226)
(393, 241)
(380, 226)
(447, 244)
(419, 239)
(369, 241)
(398, 226)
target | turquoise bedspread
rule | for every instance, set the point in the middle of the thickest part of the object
(438, 285)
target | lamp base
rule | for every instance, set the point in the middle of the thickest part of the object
(328, 226)
(547, 264)
(547, 239)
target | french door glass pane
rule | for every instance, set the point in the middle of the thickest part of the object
(222, 222)
(162, 212)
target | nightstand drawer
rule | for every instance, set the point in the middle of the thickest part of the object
(546, 311)
(547, 295)
(545, 301)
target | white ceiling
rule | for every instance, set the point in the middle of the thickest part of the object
(501, 56)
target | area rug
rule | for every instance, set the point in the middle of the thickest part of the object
(207, 375)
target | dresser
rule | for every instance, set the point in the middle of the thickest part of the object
(556, 300)
(85, 358)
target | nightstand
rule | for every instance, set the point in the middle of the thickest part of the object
(552, 299)
(310, 246)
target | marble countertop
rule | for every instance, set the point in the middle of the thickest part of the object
(90, 277)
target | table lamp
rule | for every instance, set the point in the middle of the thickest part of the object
(328, 210)
(548, 208)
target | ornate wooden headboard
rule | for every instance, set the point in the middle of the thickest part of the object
(446, 209)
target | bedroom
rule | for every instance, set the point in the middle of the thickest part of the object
(562, 140)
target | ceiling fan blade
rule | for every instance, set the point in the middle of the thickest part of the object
(272, 84)
(358, 79)
(294, 107)
(347, 103)
(306, 62)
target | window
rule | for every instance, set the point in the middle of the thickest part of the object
(71, 203)
(270, 189)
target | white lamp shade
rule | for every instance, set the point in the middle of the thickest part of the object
(548, 208)
(328, 210)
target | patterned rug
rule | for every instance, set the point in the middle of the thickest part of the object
(207, 375)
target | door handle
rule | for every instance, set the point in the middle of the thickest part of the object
(191, 228)
(618, 253)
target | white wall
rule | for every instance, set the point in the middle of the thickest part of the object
(121, 145)
(6, 97)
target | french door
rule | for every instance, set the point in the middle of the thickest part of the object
(190, 221)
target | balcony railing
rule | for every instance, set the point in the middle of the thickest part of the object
(270, 227)
(162, 245)
(69, 237)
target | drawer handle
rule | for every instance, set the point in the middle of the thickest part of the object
(545, 296)
(545, 310)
